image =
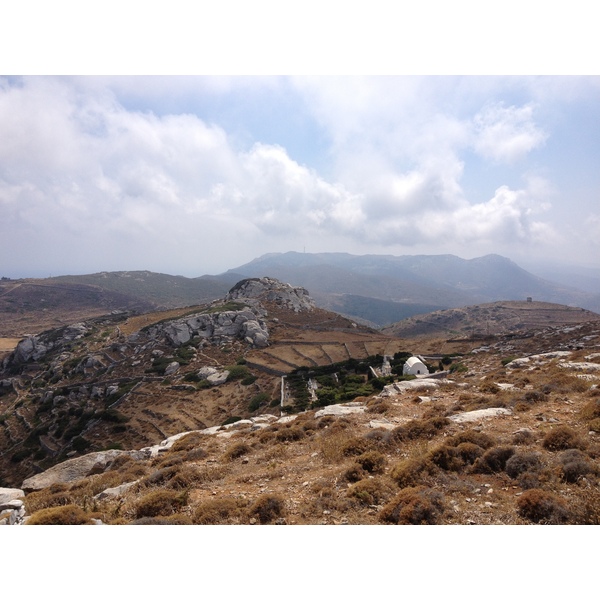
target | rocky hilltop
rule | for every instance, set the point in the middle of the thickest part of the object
(124, 380)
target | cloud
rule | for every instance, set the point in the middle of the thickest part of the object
(87, 183)
(506, 134)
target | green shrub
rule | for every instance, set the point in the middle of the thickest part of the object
(258, 400)
(80, 444)
(237, 372)
(114, 416)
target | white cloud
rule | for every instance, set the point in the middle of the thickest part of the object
(506, 134)
(86, 181)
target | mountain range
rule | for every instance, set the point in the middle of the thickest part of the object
(376, 290)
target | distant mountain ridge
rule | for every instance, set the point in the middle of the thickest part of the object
(376, 290)
(409, 285)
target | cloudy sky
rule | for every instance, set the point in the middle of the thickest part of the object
(198, 174)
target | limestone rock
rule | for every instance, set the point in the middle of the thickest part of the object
(115, 491)
(218, 378)
(272, 290)
(341, 409)
(78, 468)
(478, 415)
(172, 368)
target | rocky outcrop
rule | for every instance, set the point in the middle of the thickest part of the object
(479, 415)
(12, 509)
(215, 327)
(36, 346)
(78, 468)
(272, 290)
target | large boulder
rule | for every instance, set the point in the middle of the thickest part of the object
(78, 468)
(36, 346)
(245, 324)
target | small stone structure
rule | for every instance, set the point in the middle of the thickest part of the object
(415, 366)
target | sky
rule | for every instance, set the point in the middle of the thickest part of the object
(197, 174)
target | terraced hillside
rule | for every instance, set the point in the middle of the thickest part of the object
(120, 381)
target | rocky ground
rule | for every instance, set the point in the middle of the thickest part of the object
(507, 434)
(507, 438)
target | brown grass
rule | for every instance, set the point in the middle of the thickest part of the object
(70, 514)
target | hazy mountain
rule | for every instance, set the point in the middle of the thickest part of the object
(412, 284)
(378, 289)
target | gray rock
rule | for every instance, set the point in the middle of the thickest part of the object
(7, 495)
(78, 468)
(115, 491)
(218, 378)
(272, 290)
(478, 415)
(172, 368)
(341, 409)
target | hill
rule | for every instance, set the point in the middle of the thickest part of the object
(409, 285)
(72, 389)
(182, 416)
(491, 319)
(33, 305)
(375, 290)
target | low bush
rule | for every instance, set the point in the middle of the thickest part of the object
(236, 450)
(169, 520)
(414, 506)
(354, 473)
(591, 410)
(447, 458)
(218, 511)
(189, 441)
(160, 503)
(522, 462)
(412, 471)
(419, 429)
(257, 401)
(370, 491)
(372, 461)
(69, 514)
(522, 437)
(473, 437)
(541, 506)
(356, 446)
(562, 437)
(493, 460)
(267, 508)
(575, 465)
(290, 434)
